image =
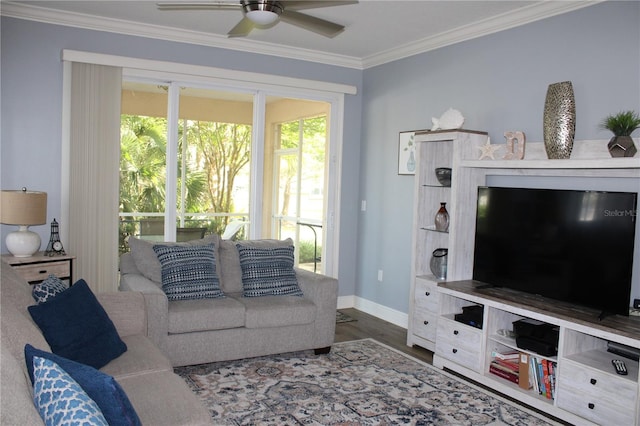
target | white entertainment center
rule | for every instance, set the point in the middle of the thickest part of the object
(588, 390)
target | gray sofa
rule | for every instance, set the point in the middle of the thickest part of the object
(158, 395)
(206, 330)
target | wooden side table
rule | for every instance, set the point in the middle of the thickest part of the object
(38, 267)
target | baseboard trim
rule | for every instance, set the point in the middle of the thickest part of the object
(379, 311)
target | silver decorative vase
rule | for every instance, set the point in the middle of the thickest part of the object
(438, 263)
(559, 120)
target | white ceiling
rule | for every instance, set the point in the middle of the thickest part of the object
(376, 31)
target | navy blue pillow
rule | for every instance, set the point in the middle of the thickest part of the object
(77, 327)
(102, 388)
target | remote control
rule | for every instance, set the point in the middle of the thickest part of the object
(620, 367)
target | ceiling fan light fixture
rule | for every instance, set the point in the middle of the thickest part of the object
(262, 12)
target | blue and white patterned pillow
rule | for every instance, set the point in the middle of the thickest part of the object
(268, 271)
(48, 289)
(103, 389)
(60, 400)
(189, 272)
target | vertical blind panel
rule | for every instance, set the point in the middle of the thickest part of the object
(94, 165)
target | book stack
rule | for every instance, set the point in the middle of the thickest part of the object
(527, 371)
(542, 373)
(506, 365)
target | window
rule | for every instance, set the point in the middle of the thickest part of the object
(298, 181)
(207, 188)
(100, 252)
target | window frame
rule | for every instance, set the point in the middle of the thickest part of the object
(262, 86)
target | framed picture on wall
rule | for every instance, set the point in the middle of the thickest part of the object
(406, 153)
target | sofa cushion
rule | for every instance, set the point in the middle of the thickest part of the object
(147, 262)
(142, 357)
(267, 268)
(60, 400)
(205, 315)
(189, 272)
(77, 327)
(18, 329)
(278, 311)
(164, 399)
(16, 405)
(15, 290)
(100, 387)
(230, 272)
(47, 289)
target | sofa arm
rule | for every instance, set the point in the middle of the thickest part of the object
(322, 290)
(156, 303)
(127, 311)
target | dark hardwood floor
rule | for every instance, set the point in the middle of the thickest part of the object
(367, 326)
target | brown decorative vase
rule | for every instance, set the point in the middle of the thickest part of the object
(622, 146)
(442, 218)
(559, 120)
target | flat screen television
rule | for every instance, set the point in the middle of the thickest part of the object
(570, 245)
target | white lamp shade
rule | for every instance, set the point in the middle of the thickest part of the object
(262, 12)
(262, 17)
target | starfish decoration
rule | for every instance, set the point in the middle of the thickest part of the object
(488, 150)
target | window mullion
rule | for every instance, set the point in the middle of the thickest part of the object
(183, 173)
(257, 166)
(172, 163)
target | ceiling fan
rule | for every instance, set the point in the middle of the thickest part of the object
(262, 13)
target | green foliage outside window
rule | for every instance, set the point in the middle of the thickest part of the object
(214, 156)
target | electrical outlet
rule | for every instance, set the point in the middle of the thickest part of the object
(636, 303)
(380, 275)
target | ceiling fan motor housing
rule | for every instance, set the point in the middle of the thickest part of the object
(262, 5)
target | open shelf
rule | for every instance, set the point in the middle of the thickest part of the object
(586, 388)
(432, 228)
(600, 163)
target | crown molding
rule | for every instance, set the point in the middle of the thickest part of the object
(505, 21)
(522, 16)
(119, 26)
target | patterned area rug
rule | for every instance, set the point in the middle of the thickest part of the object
(361, 382)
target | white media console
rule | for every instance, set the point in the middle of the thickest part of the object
(588, 390)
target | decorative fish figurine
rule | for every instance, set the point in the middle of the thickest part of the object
(451, 119)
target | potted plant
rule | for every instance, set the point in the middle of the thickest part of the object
(622, 125)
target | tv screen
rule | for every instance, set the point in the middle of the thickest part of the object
(575, 246)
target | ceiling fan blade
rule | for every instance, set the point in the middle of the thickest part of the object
(199, 5)
(313, 4)
(311, 23)
(242, 29)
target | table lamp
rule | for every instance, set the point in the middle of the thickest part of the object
(23, 208)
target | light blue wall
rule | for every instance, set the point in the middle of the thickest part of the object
(31, 109)
(499, 83)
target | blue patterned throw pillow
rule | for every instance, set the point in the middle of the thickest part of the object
(60, 400)
(189, 272)
(48, 289)
(102, 388)
(268, 271)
